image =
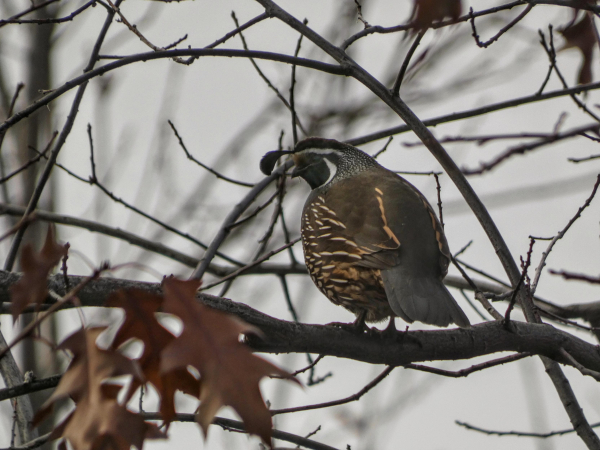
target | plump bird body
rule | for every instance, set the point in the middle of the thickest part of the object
(372, 243)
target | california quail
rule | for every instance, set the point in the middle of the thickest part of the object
(372, 243)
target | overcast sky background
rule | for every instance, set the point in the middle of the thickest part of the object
(214, 99)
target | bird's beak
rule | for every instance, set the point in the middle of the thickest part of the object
(296, 171)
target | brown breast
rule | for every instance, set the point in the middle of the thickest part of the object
(334, 261)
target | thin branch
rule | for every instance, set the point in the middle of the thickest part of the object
(576, 276)
(226, 424)
(520, 433)
(522, 149)
(351, 398)
(229, 424)
(439, 198)
(31, 162)
(584, 370)
(473, 112)
(292, 91)
(503, 30)
(239, 29)
(191, 158)
(469, 370)
(29, 387)
(233, 216)
(587, 158)
(441, 24)
(43, 179)
(555, 239)
(46, 21)
(384, 148)
(481, 140)
(30, 10)
(266, 79)
(169, 54)
(478, 294)
(513, 297)
(298, 372)
(551, 52)
(243, 269)
(404, 67)
(359, 14)
(93, 180)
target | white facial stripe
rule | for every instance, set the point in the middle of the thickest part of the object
(332, 170)
(319, 151)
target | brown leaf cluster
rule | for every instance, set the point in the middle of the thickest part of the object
(98, 421)
(32, 288)
(210, 343)
(426, 12)
(582, 35)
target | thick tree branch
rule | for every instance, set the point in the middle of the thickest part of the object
(417, 346)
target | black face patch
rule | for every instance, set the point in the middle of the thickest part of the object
(312, 168)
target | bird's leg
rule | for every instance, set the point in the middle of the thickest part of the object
(390, 331)
(359, 324)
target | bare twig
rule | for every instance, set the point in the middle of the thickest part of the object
(555, 239)
(351, 398)
(551, 52)
(584, 370)
(522, 149)
(64, 19)
(441, 24)
(587, 158)
(576, 276)
(473, 112)
(249, 266)
(239, 29)
(384, 148)
(204, 166)
(503, 30)
(33, 8)
(232, 217)
(31, 161)
(520, 433)
(513, 297)
(359, 14)
(43, 179)
(469, 370)
(292, 90)
(396, 88)
(264, 77)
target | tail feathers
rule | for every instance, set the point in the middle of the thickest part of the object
(424, 299)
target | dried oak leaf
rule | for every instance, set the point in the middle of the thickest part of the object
(425, 12)
(582, 35)
(32, 288)
(98, 420)
(229, 372)
(140, 323)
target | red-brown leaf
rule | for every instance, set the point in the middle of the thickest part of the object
(98, 420)
(426, 12)
(230, 373)
(32, 288)
(140, 323)
(581, 35)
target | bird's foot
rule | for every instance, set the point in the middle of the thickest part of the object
(351, 327)
(357, 327)
(390, 332)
